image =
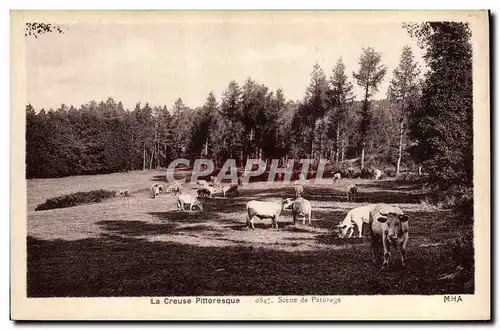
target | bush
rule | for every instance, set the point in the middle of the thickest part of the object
(81, 197)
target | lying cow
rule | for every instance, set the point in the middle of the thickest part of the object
(355, 217)
(389, 227)
(377, 174)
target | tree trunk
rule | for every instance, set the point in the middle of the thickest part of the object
(337, 144)
(343, 151)
(312, 146)
(363, 155)
(151, 160)
(400, 147)
(144, 157)
(420, 170)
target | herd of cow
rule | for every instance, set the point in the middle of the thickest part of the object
(388, 224)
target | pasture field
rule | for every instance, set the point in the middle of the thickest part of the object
(139, 246)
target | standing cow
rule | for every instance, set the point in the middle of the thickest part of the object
(389, 228)
(351, 192)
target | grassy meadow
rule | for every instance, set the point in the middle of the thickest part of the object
(140, 246)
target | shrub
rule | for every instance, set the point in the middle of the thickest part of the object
(74, 199)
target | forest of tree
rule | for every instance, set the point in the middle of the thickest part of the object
(426, 120)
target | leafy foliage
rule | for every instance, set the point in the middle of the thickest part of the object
(35, 29)
(442, 124)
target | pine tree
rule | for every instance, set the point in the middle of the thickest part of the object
(370, 75)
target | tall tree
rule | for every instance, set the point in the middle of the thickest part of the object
(442, 124)
(315, 102)
(370, 75)
(403, 87)
(339, 98)
(230, 125)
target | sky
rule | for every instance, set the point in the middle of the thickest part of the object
(157, 62)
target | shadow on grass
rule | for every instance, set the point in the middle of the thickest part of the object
(159, 178)
(123, 266)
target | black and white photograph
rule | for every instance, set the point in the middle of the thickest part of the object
(261, 163)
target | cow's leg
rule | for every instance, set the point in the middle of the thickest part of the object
(351, 232)
(375, 250)
(309, 219)
(387, 254)
(275, 221)
(402, 248)
(252, 222)
(360, 229)
(294, 218)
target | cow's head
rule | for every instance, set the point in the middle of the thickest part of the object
(287, 203)
(393, 223)
(344, 229)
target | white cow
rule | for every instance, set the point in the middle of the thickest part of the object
(189, 199)
(389, 228)
(355, 217)
(265, 210)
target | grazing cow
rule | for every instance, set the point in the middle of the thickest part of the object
(160, 187)
(377, 174)
(355, 217)
(226, 189)
(184, 199)
(155, 191)
(299, 190)
(302, 208)
(389, 227)
(351, 192)
(201, 183)
(336, 176)
(265, 210)
(176, 188)
(206, 191)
